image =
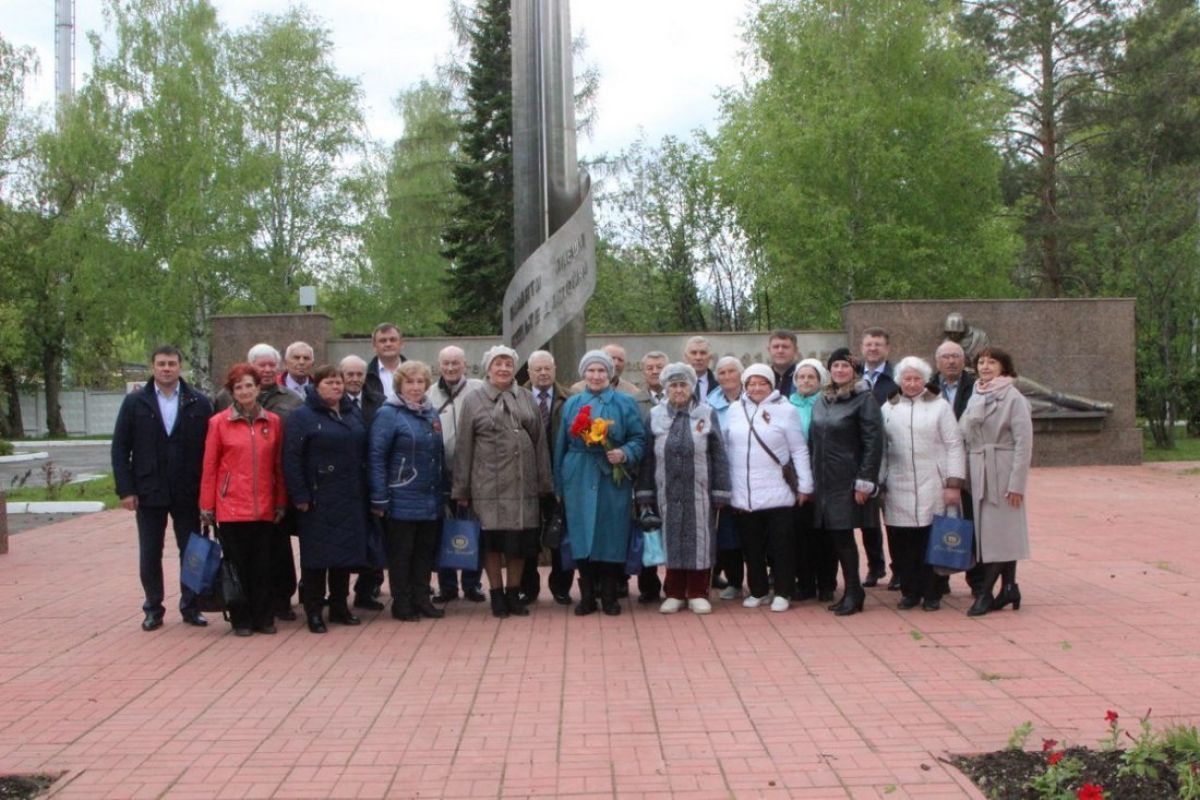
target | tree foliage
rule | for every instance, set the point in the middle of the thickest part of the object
(859, 161)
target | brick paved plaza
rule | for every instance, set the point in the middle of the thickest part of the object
(743, 703)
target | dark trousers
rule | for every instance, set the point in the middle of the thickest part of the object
(248, 546)
(847, 556)
(283, 563)
(873, 544)
(312, 589)
(686, 584)
(448, 580)
(152, 532)
(816, 560)
(908, 559)
(411, 548)
(369, 581)
(731, 564)
(768, 533)
(649, 584)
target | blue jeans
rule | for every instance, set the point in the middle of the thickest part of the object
(152, 530)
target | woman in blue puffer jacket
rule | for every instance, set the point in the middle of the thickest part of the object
(406, 468)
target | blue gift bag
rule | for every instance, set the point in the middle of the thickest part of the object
(201, 561)
(653, 552)
(951, 544)
(633, 559)
(460, 544)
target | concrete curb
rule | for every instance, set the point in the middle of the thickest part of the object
(58, 507)
(61, 442)
(17, 458)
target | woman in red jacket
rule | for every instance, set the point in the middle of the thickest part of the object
(242, 491)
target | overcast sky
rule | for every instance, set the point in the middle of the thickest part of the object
(661, 62)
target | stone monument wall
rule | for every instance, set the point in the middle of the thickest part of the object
(233, 335)
(1083, 347)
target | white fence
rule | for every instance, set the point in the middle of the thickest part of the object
(86, 412)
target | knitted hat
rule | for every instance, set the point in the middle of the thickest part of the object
(597, 357)
(678, 373)
(759, 371)
(493, 353)
(841, 354)
(822, 373)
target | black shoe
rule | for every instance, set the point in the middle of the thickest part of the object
(342, 616)
(529, 599)
(368, 604)
(242, 632)
(646, 598)
(286, 614)
(873, 578)
(799, 596)
(512, 599)
(943, 585)
(932, 605)
(719, 582)
(623, 590)
(893, 584)
(852, 603)
(612, 609)
(152, 622)
(499, 607)
(269, 628)
(908, 602)
(562, 599)
(585, 607)
(982, 605)
(474, 595)
(1009, 593)
(403, 610)
(315, 623)
(195, 618)
(825, 596)
(421, 606)
(445, 596)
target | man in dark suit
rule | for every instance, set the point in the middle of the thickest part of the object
(549, 396)
(369, 582)
(955, 384)
(388, 342)
(698, 353)
(877, 372)
(157, 458)
(654, 392)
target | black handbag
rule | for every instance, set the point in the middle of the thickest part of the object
(555, 528)
(227, 590)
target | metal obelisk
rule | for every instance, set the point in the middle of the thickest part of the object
(546, 182)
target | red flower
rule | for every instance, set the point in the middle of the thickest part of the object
(1110, 717)
(1090, 791)
(1049, 744)
(1055, 758)
(582, 422)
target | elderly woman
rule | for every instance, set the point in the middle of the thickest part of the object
(816, 560)
(594, 483)
(408, 479)
(922, 475)
(846, 432)
(686, 475)
(242, 491)
(767, 452)
(324, 462)
(501, 469)
(729, 549)
(998, 432)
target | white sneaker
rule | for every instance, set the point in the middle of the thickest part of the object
(754, 602)
(780, 604)
(670, 605)
(699, 605)
(730, 593)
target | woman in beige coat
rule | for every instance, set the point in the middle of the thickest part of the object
(998, 433)
(501, 469)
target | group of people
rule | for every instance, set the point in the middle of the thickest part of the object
(756, 477)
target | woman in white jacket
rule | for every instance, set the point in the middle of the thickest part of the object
(764, 442)
(924, 468)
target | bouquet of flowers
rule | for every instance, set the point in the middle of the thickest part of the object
(595, 432)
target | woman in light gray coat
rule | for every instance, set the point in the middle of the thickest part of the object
(501, 469)
(685, 472)
(998, 432)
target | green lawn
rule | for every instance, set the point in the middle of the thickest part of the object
(1187, 448)
(101, 489)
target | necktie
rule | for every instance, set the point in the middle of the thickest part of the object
(357, 403)
(544, 407)
(658, 398)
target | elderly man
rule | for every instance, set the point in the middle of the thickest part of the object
(955, 382)
(654, 393)
(447, 397)
(298, 360)
(388, 342)
(271, 395)
(617, 353)
(549, 396)
(157, 458)
(782, 350)
(354, 376)
(698, 353)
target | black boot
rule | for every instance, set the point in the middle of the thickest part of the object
(424, 607)
(983, 600)
(852, 596)
(852, 602)
(1009, 591)
(339, 612)
(587, 591)
(315, 623)
(499, 607)
(402, 608)
(512, 598)
(608, 595)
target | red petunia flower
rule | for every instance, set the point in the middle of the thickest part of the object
(1049, 744)
(1090, 791)
(1055, 758)
(582, 422)
(1110, 717)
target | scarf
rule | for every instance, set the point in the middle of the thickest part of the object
(994, 387)
(804, 407)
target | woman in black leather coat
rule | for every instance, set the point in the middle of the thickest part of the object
(846, 441)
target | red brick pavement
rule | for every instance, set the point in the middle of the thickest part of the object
(741, 703)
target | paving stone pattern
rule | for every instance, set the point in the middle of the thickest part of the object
(742, 703)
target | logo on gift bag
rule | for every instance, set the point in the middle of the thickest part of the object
(460, 542)
(952, 540)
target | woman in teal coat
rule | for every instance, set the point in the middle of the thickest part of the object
(595, 482)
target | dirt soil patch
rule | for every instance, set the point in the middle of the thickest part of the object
(24, 787)
(1005, 773)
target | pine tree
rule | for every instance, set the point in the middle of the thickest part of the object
(479, 236)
